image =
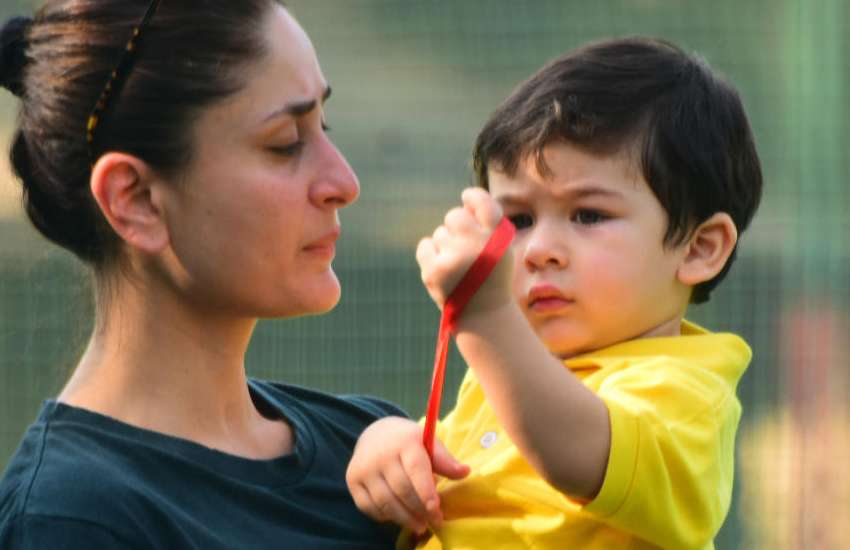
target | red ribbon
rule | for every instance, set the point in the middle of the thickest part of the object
(465, 290)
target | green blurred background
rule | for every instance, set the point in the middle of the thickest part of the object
(413, 82)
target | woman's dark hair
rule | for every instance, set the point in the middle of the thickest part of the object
(687, 125)
(194, 53)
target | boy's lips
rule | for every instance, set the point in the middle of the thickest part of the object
(546, 298)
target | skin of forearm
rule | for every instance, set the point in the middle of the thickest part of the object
(560, 426)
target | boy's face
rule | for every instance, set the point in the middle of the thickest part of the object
(591, 267)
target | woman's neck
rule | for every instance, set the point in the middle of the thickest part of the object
(156, 363)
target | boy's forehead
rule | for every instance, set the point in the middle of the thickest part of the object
(564, 167)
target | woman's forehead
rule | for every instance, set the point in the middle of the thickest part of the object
(288, 74)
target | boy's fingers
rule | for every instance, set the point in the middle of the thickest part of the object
(403, 487)
(441, 237)
(364, 502)
(446, 465)
(460, 220)
(486, 210)
(390, 508)
(417, 464)
(426, 251)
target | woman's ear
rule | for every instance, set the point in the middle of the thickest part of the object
(126, 191)
(708, 249)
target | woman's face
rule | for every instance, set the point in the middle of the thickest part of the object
(253, 222)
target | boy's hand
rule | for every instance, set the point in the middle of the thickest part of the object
(390, 475)
(450, 251)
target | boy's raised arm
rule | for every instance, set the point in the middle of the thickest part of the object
(560, 426)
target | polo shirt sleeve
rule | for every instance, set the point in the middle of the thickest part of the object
(671, 464)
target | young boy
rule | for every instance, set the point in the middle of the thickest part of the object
(592, 415)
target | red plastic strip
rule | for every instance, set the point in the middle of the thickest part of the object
(465, 290)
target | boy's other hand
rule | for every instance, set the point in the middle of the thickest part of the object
(446, 256)
(390, 475)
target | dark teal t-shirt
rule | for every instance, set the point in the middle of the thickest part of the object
(80, 480)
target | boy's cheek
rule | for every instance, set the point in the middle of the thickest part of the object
(518, 284)
(519, 268)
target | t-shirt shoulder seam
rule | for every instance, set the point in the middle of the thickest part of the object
(365, 402)
(632, 478)
(37, 468)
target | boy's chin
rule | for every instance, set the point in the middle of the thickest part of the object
(564, 343)
(563, 350)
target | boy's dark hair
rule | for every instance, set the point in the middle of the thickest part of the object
(58, 62)
(687, 125)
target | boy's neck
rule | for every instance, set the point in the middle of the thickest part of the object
(667, 328)
(670, 327)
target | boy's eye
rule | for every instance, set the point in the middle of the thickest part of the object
(521, 221)
(588, 217)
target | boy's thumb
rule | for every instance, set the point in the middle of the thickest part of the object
(446, 465)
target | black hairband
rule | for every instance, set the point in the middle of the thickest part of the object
(117, 79)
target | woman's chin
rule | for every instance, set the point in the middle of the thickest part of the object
(322, 296)
(326, 305)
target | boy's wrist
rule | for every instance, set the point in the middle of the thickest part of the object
(494, 294)
(488, 314)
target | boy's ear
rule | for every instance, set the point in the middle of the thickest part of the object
(708, 249)
(126, 191)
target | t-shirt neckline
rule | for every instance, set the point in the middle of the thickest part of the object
(283, 470)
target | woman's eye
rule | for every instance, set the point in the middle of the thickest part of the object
(325, 126)
(588, 217)
(521, 221)
(288, 150)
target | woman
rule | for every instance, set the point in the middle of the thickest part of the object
(201, 187)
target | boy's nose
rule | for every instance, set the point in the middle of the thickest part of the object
(544, 250)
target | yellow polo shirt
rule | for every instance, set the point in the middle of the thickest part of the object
(668, 483)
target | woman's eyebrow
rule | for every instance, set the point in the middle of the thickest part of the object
(299, 107)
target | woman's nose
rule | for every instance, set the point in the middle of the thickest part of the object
(545, 248)
(336, 184)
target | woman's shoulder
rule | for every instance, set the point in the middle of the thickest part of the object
(83, 476)
(60, 476)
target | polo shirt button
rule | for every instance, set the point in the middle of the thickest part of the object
(488, 440)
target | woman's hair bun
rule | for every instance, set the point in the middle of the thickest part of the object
(13, 58)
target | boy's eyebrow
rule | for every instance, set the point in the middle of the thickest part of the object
(575, 193)
(582, 192)
(299, 108)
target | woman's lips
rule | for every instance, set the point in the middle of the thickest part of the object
(325, 245)
(325, 251)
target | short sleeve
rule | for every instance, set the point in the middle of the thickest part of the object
(377, 407)
(36, 532)
(670, 469)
